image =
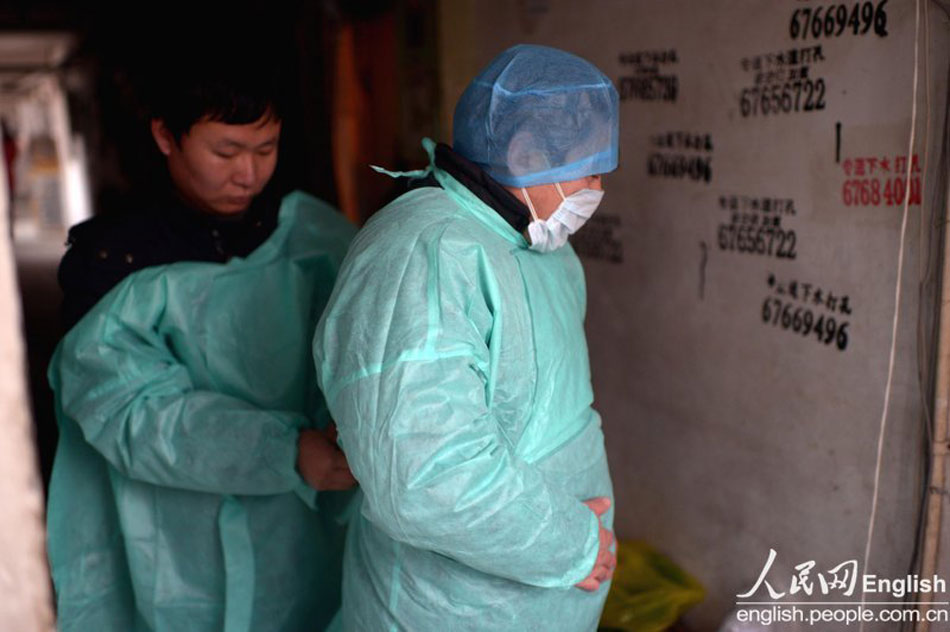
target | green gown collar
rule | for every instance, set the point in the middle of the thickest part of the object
(465, 198)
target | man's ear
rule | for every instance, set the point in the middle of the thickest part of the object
(163, 138)
(523, 156)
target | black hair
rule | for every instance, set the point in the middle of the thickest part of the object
(238, 87)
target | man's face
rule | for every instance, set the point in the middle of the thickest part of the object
(218, 167)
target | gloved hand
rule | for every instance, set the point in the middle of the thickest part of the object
(606, 559)
(320, 461)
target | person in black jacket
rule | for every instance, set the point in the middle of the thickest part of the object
(219, 136)
(162, 415)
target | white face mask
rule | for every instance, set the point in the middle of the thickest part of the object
(573, 211)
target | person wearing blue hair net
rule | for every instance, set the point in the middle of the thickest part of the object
(453, 358)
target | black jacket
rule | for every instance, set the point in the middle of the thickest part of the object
(107, 248)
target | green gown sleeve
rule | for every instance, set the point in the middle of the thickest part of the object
(403, 358)
(137, 404)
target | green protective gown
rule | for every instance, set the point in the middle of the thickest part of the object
(454, 362)
(175, 503)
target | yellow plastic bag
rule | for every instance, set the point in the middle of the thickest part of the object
(649, 592)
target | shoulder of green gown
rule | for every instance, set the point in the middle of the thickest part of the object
(422, 216)
(308, 224)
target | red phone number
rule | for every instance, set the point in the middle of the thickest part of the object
(880, 191)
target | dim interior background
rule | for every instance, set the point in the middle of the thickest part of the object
(741, 271)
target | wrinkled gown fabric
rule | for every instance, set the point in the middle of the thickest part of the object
(175, 503)
(454, 361)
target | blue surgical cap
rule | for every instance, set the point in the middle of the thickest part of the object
(538, 115)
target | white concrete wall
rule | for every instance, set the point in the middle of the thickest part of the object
(729, 435)
(25, 595)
